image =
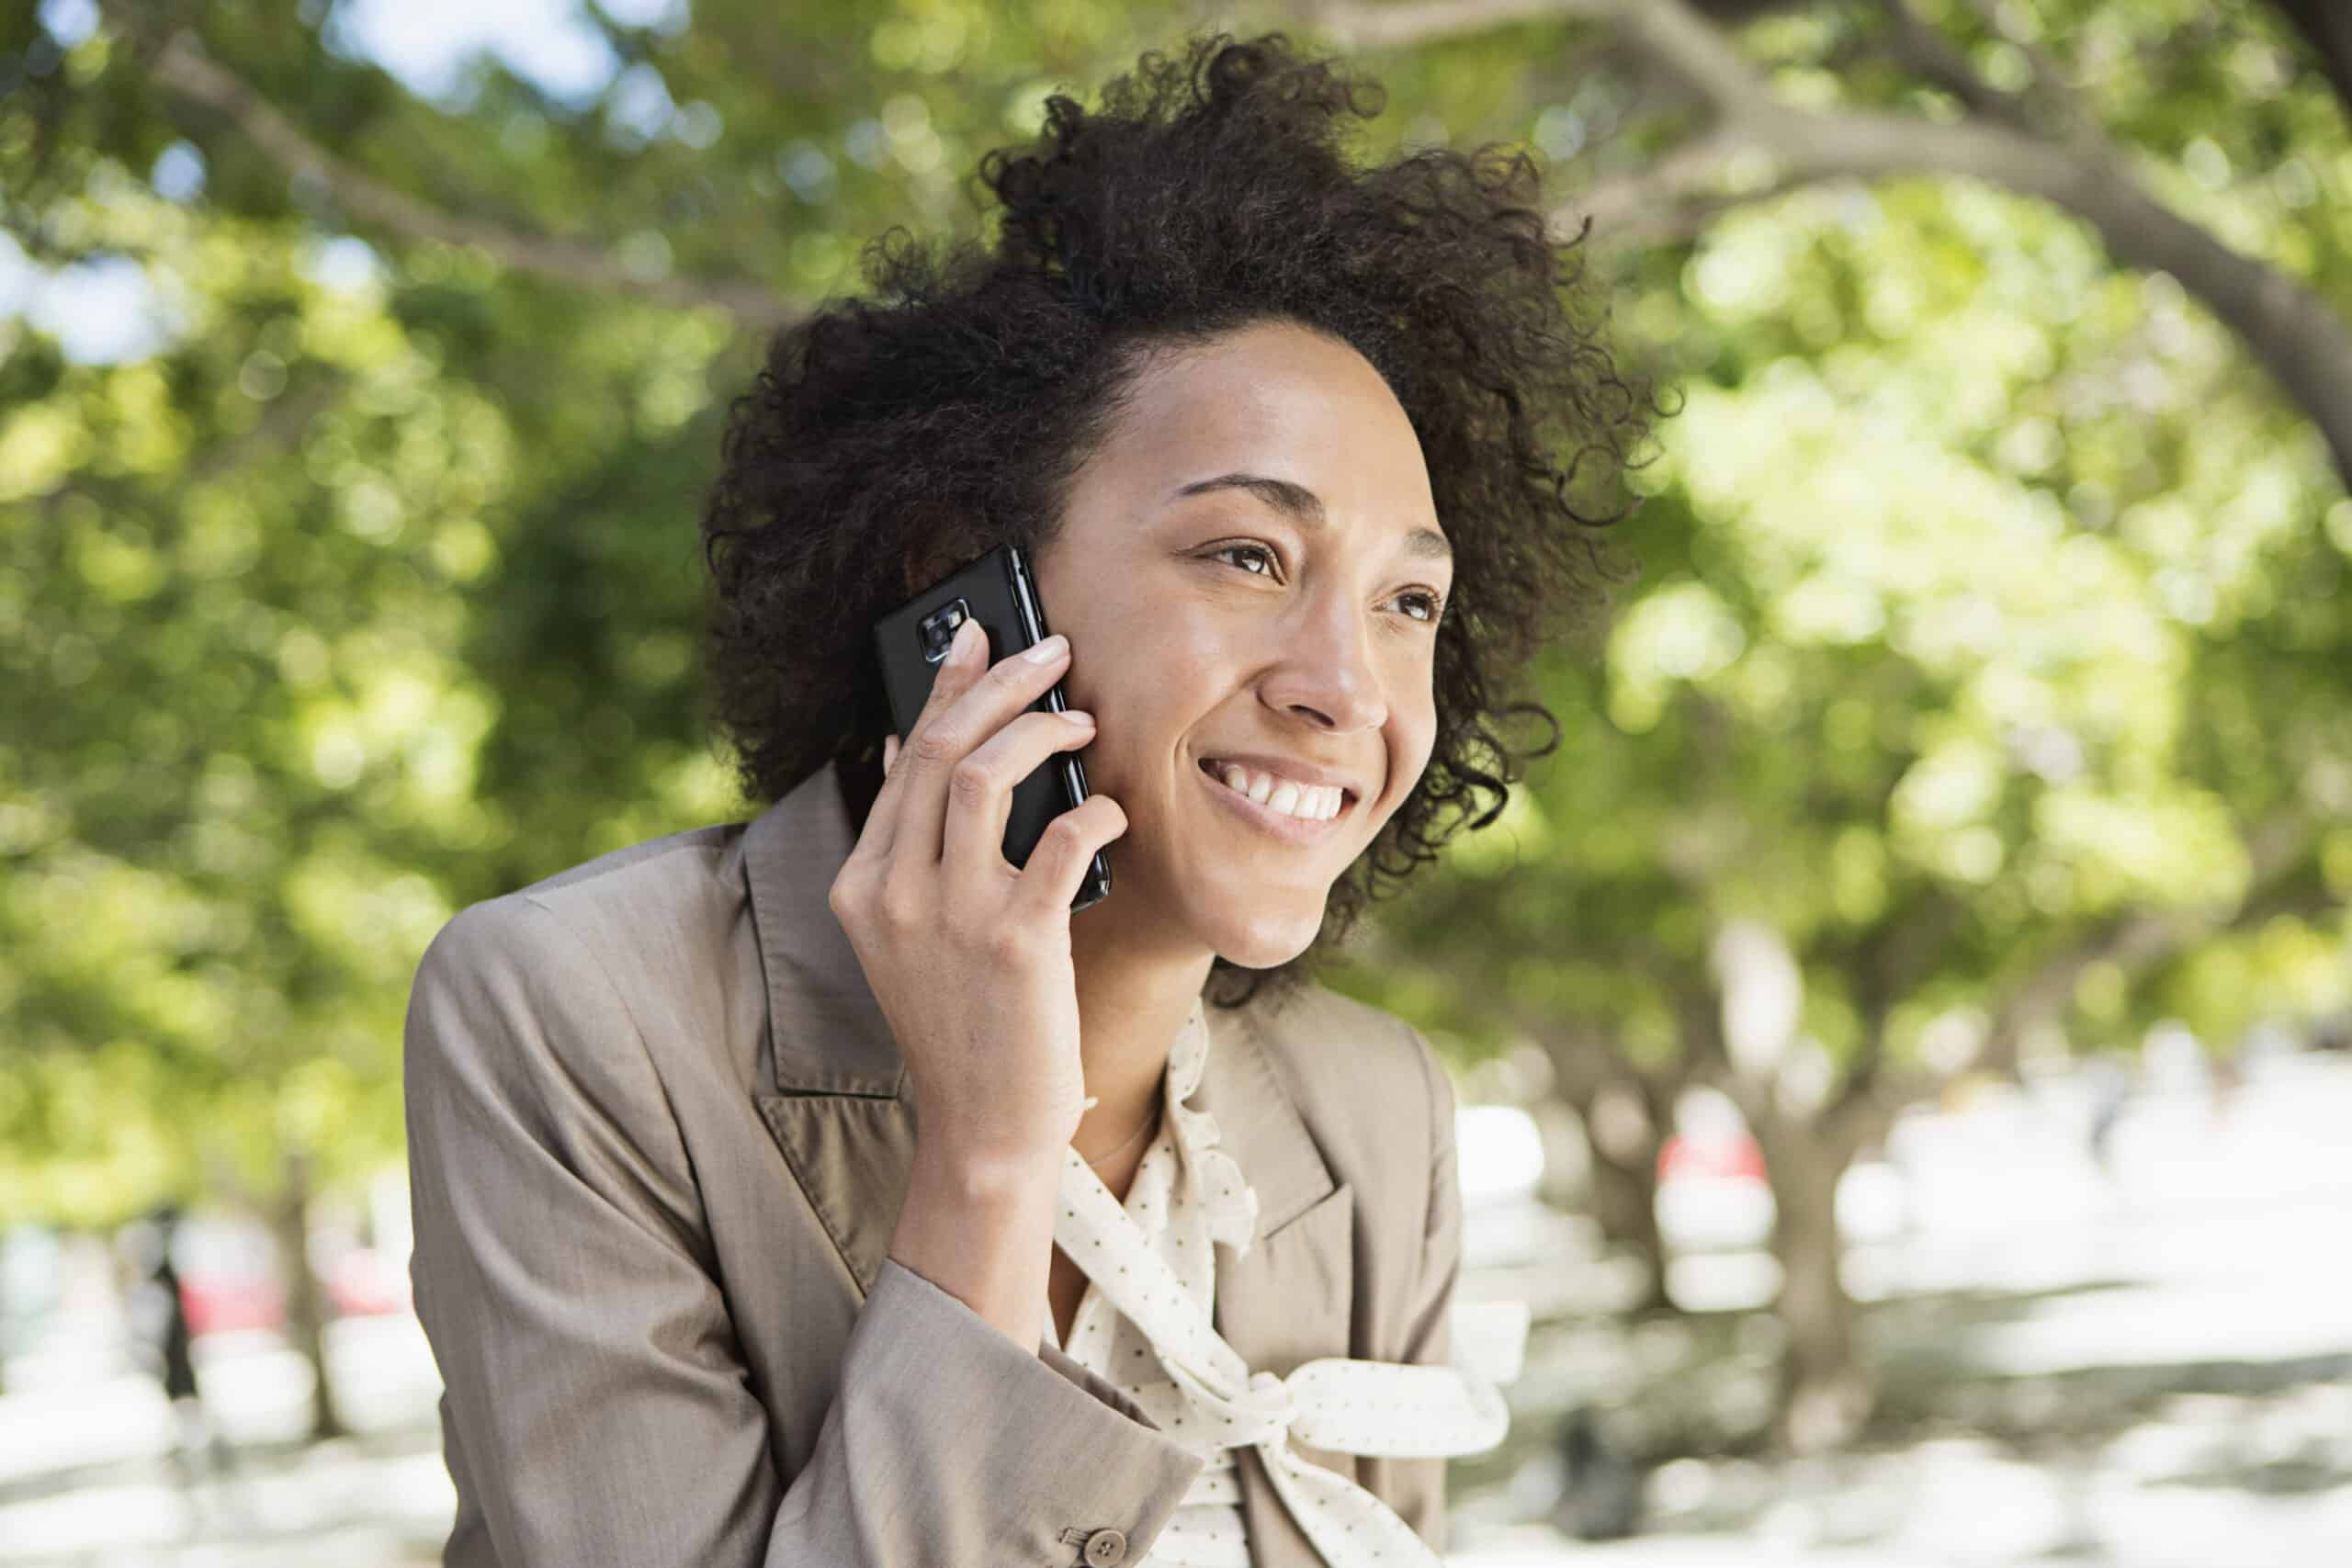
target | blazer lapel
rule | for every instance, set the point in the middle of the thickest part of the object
(1290, 1298)
(838, 1109)
(1259, 1305)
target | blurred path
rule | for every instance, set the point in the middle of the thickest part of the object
(85, 1478)
(2212, 1256)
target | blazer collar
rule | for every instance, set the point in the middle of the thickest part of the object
(826, 1033)
(828, 1037)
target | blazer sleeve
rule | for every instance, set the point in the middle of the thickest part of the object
(1415, 1488)
(599, 1409)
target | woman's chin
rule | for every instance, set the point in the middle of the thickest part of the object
(1265, 938)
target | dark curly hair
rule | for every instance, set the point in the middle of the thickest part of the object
(951, 412)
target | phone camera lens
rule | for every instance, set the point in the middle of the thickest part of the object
(938, 629)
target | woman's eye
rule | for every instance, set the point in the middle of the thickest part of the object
(1430, 605)
(1259, 552)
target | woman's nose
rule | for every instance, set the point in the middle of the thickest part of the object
(1327, 676)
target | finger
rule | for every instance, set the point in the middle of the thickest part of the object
(950, 735)
(967, 661)
(1058, 864)
(954, 674)
(980, 794)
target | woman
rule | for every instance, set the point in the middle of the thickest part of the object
(820, 1190)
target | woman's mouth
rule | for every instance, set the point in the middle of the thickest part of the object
(1300, 813)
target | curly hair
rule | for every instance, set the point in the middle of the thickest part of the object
(1210, 193)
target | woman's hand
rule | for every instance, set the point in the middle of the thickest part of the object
(969, 956)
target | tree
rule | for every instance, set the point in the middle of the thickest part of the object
(1943, 846)
(369, 588)
(1895, 760)
(2001, 104)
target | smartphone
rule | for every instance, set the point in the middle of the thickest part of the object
(1000, 593)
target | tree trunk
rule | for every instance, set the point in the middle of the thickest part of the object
(1623, 1113)
(1825, 1393)
(306, 1304)
(1624, 1204)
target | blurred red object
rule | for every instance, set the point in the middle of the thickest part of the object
(220, 1303)
(229, 1277)
(363, 1282)
(1721, 1159)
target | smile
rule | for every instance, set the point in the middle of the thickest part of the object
(1297, 814)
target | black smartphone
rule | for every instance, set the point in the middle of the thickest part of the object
(1000, 593)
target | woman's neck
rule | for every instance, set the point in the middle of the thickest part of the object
(1133, 999)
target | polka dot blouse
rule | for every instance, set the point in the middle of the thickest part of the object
(1146, 1323)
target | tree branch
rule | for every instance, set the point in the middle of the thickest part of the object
(1586, 1060)
(1360, 25)
(1929, 55)
(182, 68)
(2290, 330)
(2326, 26)
(1675, 197)
(2138, 939)
(2049, 88)
(1890, 966)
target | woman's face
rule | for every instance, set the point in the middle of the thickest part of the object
(1286, 628)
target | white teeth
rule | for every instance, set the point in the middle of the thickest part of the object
(1310, 803)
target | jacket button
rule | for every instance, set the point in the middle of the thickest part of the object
(1106, 1549)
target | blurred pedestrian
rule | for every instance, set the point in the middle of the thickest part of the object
(160, 1325)
(1600, 1489)
(2110, 1090)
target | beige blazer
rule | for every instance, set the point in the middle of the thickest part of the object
(659, 1133)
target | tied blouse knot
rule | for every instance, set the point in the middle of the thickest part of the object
(1145, 1324)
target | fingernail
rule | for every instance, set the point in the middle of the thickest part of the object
(1045, 652)
(960, 649)
(1079, 716)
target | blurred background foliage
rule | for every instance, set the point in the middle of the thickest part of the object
(1981, 696)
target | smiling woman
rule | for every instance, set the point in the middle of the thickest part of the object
(1209, 196)
(821, 1190)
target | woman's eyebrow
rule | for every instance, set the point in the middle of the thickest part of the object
(1304, 507)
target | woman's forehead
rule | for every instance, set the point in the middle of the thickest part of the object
(1277, 417)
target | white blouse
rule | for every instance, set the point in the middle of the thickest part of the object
(1145, 1324)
